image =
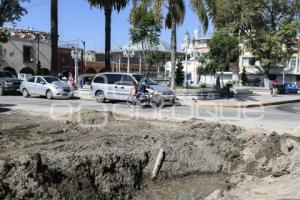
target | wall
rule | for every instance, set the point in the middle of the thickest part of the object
(13, 54)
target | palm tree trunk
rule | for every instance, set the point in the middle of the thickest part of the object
(107, 12)
(173, 53)
(54, 36)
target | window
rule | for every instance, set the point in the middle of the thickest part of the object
(248, 61)
(28, 54)
(114, 78)
(127, 80)
(51, 79)
(31, 79)
(293, 62)
(38, 80)
(99, 79)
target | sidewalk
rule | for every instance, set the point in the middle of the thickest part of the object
(257, 99)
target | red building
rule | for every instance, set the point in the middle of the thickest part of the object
(66, 63)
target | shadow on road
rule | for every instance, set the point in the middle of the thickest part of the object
(5, 107)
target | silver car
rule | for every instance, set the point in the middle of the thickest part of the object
(48, 86)
(117, 86)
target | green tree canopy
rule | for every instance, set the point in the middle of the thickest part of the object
(10, 11)
(224, 50)
(145, 30)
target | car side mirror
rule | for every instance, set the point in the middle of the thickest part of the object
(42, 82)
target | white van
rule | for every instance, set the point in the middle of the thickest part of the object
(117, 86)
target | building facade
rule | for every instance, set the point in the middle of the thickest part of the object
(23, 51)
(289, 73)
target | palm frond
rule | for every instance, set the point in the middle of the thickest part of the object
(200, 8)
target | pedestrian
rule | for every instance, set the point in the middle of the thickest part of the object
(275, 85)
(70, 80)
(218, 83)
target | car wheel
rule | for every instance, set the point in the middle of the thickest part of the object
(49, 94)
(1, 90)
(100, 97)
(25, 93)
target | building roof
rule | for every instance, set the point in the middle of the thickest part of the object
(161, 47)
(27, 34)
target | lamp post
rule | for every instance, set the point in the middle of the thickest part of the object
(128, 53)
(185, 47)
(76, 55)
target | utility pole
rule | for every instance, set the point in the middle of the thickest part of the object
(54, 36)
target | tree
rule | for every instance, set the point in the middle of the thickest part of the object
(267, 27)
(145, 30)
(108, 6)
(175, 17)
(224, 50)
(179, 74)
(11, 11)
(54, 36)
(244, 77)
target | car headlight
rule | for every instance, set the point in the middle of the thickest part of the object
(8, 83)
(59, 89)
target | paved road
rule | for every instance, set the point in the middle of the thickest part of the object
(284, 118)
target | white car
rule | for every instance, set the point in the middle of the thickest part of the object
(117, 86)
(48, 86)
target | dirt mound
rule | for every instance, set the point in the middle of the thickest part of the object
(109, 177)
(113, 157)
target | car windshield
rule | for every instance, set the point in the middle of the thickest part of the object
(4, 74)
(50, 79)
(139, 77)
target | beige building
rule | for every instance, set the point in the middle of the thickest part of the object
(23, 50)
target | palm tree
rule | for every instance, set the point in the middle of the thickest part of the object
(108, 6)
(54, 36)
(205, 9)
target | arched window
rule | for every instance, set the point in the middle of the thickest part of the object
(11, 70)
(27, 70)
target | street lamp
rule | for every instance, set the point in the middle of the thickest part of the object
(185, 47)
(76, 55)
(129, 53)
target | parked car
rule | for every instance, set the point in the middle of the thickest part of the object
(48, 86)
(288, 88)
(8, 82)
(117, 86)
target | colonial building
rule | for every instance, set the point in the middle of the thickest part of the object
(23, 51)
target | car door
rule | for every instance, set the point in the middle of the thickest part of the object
(40, 87)
(114, 86)
(127, 84)
(30, 84)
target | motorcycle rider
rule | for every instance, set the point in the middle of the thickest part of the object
(142, 86)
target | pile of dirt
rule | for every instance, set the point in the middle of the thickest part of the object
(100, 155)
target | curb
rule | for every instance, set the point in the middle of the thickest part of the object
(195, 104)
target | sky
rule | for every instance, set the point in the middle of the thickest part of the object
(78, 21)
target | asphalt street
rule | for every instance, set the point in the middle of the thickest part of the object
(282, 118)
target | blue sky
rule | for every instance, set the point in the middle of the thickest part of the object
(77, 21)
